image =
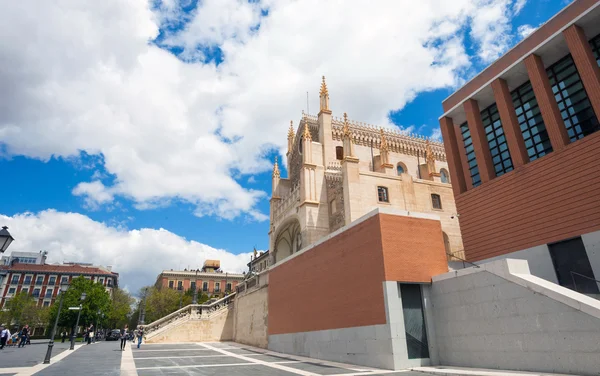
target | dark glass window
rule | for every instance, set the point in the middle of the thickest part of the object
(414, 321)
(382, 194)
(572, 266)
(217, 287)
(400, 169)
(52, 281)
(171, 284)
(205, 286)
(595, 42)
(339, 153)
(27, 280)
(573, 103)
(39, 280)
(228, 287)
(15, 279)
(470, 151)
(179, 285)
(436, 201)
(531, 122)
(36, 293)
(193, 286)
(492, 126)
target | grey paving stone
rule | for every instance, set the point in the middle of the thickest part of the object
(174, 361)
(272, 358)
(317, 368)
(28, 356)
(250, 370)
(172, 353)
(100, 359)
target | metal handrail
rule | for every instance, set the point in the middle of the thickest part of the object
(463, 260)
(573, 274)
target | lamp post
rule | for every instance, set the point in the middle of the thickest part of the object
(195, 299)
(63, 288)
(143, 308)
(5, 239)
(83, 295)
(96, 328)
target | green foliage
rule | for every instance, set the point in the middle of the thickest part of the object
(161, 302)
(120, 309)
(97, 300)
(18, 308)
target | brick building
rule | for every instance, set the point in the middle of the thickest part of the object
(42, 281)
(521, 142)
(210, 280)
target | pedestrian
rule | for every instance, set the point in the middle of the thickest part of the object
(23, 336)
(90, 333)
(124, 334)
(4, 336)
(140, 335)
(64, 336)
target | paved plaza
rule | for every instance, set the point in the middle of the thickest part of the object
(227, 358)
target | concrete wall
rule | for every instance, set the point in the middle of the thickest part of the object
(381, 346)
(251, 317)
(538, 257)
(591, 242)
(218, 327)
(500, 316)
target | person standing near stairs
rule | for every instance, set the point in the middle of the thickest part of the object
(124, 334)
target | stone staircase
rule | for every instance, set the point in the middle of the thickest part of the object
(194, 323)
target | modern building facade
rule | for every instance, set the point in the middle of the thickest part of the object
(42, 281)
(339, 170)
(521, 141)
(24, 258)
(210, 280)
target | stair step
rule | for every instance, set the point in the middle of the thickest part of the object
(463, 371)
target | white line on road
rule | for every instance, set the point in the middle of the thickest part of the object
(199, 366)
(127, 363)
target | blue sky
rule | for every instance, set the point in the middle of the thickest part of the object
(58, 151)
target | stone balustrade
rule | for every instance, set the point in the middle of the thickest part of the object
(189, 312)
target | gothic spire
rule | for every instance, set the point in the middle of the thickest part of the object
(346, 129)
(306, 134)
(291, 131)
(323, 91)
(384, 145)
(324, 97)
(276, 173)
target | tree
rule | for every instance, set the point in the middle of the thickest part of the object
(97, 300)
(120, 309)
(18, 309)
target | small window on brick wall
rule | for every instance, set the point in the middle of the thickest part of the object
(339, 153)
(382, 194)
(436, 201)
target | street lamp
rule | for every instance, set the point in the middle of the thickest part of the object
(63, 288)
(83, 295)
(142, 316)
(5, 239)
(195, 299)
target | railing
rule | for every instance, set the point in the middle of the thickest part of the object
(573, 274)
(463, 261)
(191, 311)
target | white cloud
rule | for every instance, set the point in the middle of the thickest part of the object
(82, 76)
(436, 134)
(137, 255)
(519, 5)
(525, 30)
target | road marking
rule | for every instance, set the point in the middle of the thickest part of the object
(260, 362)
(185, 356)
(127, 363)
(197, 366)
(196, 349)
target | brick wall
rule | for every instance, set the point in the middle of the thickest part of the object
(550, 199)
(339, 283)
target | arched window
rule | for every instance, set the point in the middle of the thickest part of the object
(444, 176)
(436, 201)
(400, 168)
(339, 153)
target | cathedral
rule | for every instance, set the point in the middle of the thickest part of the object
(340, 169)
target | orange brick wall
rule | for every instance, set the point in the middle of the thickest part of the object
(339, 283)
(550, 199)
(413, 248)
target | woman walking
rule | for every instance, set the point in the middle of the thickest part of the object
(124, 335)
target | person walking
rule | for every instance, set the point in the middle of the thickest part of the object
(23, 335)
(124, 333)
(140, 335)
(64, 336)
(4, 336)
(90, 333)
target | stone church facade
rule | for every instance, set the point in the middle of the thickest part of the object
(340, 169)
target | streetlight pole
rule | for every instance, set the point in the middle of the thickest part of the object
(143, 308)
(63, 288)
(5, 239)
(195, 299)
(83, 295)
